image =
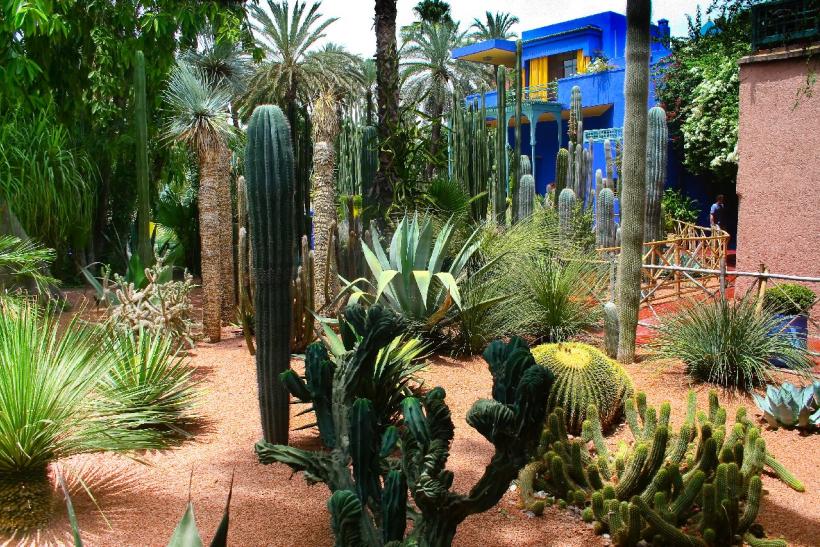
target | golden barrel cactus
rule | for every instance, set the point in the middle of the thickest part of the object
(584, 375)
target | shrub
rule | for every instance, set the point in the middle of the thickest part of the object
(584, 376)
(789, 299)
(50, 407)
(677, 206)
(728, 343)
(149, 378)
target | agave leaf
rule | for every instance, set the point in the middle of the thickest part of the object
(333, 341)
(423, 280)
(815, 418)
(383, 282)
(397, 245)
(378, 250)
(423, 247)
(186, 533)
(440, 248)
(221, 536)
(450, 284)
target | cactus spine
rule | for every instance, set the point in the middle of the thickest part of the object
(633, 187)
(566, 209)
(271, 207)
(526, 196)
(656, 158)
(144, 250)
(516, 174)
(561, 173)
(500, 198)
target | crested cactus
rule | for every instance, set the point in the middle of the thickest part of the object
(566, 210)
(500, 192)
(611, 329)
(584, 376)
(561, 173)
(526, 196)
(270, 187)
(656, 159)
(682, 492)
(605, 219)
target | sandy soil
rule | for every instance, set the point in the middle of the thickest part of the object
(141, 502)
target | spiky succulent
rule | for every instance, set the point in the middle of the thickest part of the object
(791, 406)
(584, 376)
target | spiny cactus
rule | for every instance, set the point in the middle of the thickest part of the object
(471, 151)
(656, 159)
(566, 209)
(605, 225)
(244, 266)
(270, 185)
(302, 291)
(526, 196)
(609, 158)
(500, 193)
(143, 239)
(519, 92)
(699, 487)
(611, 329)
(561, 173)
(584, 376)
(575, 115)
(369, 472)
(526, 165)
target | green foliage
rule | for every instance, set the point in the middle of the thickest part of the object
(791, 406)
(678, 206)
(584, 376)
(471, 152)
(789, 299)
(369, 480)
(150, 378)
(697, 487)
(728, 343)
(24, 260)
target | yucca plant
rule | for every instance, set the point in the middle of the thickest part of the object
(149, 378)
(25, 260)
(417, 277)
(730, 344)
(50, 407)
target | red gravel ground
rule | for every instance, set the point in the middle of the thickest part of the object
(142, 502)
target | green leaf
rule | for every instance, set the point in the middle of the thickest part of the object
(383, 282)
(186, 533)
(423, 280)
(450, 284)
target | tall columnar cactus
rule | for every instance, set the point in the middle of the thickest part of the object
(611, 329)
(270, 184)
(633, 186)
(244, 266)
(656, 158)
(526, 196)
(516, 174)
(605, 226)
(471, 149)
(144, 249)
(589, 193)
(566, 210)
(561, 173)
(526, 165)
(500, 197)
(575, 115)
(609, 159)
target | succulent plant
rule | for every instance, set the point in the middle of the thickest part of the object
(791, 406)
(584, 376)
(611, 329)
(566, 210)
(500, 191)
(561, 172)
(605, 225)
(526, 196)
(657, 139)
(526, 165)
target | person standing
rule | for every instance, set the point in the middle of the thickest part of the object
(716, 213)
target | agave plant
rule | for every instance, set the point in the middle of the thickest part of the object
(791, 406)
(50, 407)
(417, 278)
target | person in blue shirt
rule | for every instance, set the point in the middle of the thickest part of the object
(716, 212)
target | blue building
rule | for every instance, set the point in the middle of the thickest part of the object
(589, 53)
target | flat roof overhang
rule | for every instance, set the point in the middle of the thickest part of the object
(491, 52)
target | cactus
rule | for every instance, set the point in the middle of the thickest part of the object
(605, 226)
(526, 165)
(471, 154)
(611, 329)
(368, 481)
(575, 116)
(144, 249)
(584, 376)
(656, 158)
(244, 266)
(516, 172)
(633, 187)
(500, 193)
(561, 173)
(566, 210)
(270, 187)
(526, 196)
(302, 291)
(609, 159)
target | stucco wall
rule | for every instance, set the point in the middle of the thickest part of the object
(778, 180)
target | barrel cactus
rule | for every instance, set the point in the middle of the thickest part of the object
(526, 196)
(656, 160)
(584, 376)
(271, 209)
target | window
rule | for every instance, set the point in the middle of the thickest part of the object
(570, 67)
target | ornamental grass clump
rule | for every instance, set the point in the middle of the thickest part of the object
(50, 407)
(731, 344)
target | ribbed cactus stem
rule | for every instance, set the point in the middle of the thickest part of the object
(575, 116)
(609, 159)
(500, 201)
(516, 174)
(144, 250)
(633, 193)
(271, 207)
(526, 196)
(561, 172)
(526, 165)
(579, 163)
(611, 329)
(605, 219)
(656, 159)
(566, 209)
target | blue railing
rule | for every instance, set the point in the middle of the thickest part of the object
(785, 22)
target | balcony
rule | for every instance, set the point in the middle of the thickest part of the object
(538, 94)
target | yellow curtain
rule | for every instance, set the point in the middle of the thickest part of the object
(539, 76)
(582, 62)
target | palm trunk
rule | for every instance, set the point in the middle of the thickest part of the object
(211, 168)
(435, 134)
(633, 190)
(387, 97)
(222, 157)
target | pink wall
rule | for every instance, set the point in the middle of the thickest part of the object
(778, 181)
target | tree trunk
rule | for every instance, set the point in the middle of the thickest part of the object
(211, 168)
(227, 280)
(325, 130)
(633, 189)
(436, 112)
(387, 97)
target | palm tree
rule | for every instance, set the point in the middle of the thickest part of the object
(431, 76)
(199, 117)
(387, 100)
(291, 71)
(496, 25)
